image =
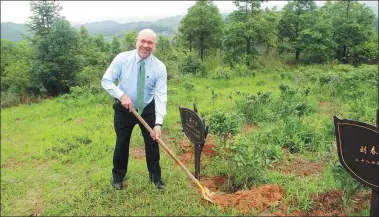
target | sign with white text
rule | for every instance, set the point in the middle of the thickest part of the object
(192, 125)
(358, 150)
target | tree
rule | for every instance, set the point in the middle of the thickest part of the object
(100, 42)
(85, 40)
(15, 66)
(164, 50)
(202, 27)
(44, 14)
(351, 23)
(129, 41)
(115, 47)
(246, 28)
(57, 59)
(296, 18)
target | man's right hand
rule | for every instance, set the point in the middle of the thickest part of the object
(126, 102)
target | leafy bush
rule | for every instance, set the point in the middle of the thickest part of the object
(312, 133)
(222, 73)
(255, 107)
(241, 70)
(192, 65)
(90, 75)
(225, 123)
(9, 98)
(188, 86)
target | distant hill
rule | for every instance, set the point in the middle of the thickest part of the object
(13, 31)
(109, 28)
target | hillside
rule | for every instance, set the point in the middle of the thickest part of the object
(13, 31)
(56, 156)
(109, 28)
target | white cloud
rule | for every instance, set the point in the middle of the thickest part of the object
(121, 11)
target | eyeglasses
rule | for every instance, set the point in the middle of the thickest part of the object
(143, 41)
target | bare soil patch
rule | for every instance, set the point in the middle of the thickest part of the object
(138, 153)
(213, 183)
(250, 127)
(80, 120)
(209, 149)
(328, 203)
(330, 108)
(300, 167)
(261, 197)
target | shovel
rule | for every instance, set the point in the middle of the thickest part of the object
(205, 192)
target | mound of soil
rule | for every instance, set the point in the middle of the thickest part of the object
(245, 201)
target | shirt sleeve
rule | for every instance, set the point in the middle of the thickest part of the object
(161, 95)
(111, 74)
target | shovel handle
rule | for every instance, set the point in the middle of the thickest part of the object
(189, 174)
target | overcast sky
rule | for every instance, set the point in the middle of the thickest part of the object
(120, 11)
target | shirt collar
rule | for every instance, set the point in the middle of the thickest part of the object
(138, 58)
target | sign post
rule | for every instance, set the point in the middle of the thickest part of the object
(195, 130)
(358, 152)
(374, 210)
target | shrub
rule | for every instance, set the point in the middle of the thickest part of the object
(222, 73)
(188, 86)
(192, 65)
(90, 75)
(255, 106)
(225, 123)
(241, 70)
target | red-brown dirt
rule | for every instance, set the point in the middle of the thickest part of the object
(187, 158)
(213, 183)
(328, 204)
(261, 197)
(250, 127)
(267, 200)
(361, 201)
(209, 149)
(300, 167)
(138, 153)
(324, 204)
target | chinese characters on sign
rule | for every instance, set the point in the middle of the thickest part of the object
(193, 128)
(358, 150)
(363, 149)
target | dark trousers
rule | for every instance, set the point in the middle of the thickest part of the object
(124, 122)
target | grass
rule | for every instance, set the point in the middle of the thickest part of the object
(56, 156)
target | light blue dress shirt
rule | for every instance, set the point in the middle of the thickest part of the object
(125, 68)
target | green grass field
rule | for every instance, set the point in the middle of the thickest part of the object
(56, 156)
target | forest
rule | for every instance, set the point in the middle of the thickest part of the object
(57, 57)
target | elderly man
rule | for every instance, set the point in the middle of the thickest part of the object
(142, 84)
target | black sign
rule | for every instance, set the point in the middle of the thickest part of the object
(358, 150)
(192, 125)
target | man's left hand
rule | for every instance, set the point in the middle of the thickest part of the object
(157, 133)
